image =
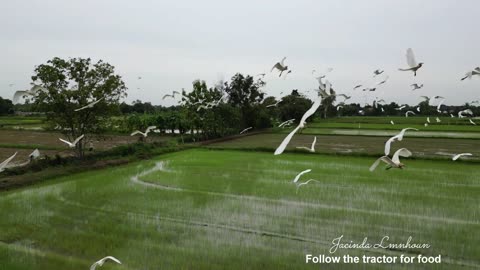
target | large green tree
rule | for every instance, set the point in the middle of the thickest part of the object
(245, 93)
(71, 84)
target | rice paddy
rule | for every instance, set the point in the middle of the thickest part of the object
(212, 209)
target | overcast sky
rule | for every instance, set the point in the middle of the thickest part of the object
(172, 43)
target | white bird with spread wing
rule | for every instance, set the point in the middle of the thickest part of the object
(312, 148)
(245, 130)
(295, 180)
(455, 157)
(90, 105)
(280, 66)
(171, 95)
(398, 137)
(394, 162)
(74, 143)
(467, 111)
(409, 112)
(32, 92)
(144, 134)
(288, 122)
(4, 164)
(416, 86)
(102, 261)
(412, 63)
(475, 71)
(302, 122)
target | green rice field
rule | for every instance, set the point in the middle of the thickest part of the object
(224, 209)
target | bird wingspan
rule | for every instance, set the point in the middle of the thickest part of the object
(80, 109)
(388, 143)
(300, 174)
(78, 139)
(18, 95)
(313, 144)
(375, 164)
(5, 162)
(460, 155)
(35, 154)
(285, 141)
(411, 58)
(404, 152)
(67, 142)
(136, 132)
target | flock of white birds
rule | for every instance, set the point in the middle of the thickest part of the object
(324, 91)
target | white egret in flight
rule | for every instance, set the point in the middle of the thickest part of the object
(412, 63)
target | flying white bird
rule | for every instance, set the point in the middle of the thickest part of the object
(4, 164)
(473, 123)
(383, 81)
(427, 99)
(400, 108)
(467, 111)
(440, 105)
(300, 174)
(286, 122)
(475, 71)
(461, 155)
(416, 86)
(312, 148)
(377, 72)
(90, 105)
(426, 124)
(398, 137)
(32, 92)
(438, 120)
(302, 122)
(418, 109)
(273, 105)
(394, 162)
(280, 66)
(74, 143)
(412, 63)
(428, 119)
(391, 122)
(339, 107)
(102, 261)
(34, 155)
(144, 134)
(409, 112)
(245, 130)
(171, 95)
